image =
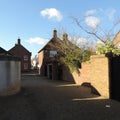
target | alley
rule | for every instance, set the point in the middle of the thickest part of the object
(43, 99)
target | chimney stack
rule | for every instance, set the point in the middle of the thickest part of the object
(18, 41)
(65, 36)
(54, 33)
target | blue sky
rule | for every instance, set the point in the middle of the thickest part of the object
(34, 20)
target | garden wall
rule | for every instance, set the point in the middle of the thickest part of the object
(95, 73)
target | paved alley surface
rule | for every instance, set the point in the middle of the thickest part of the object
(42, 99)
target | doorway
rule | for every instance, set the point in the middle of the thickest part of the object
(49, 71)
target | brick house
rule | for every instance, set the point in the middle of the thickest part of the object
(25, 56)
(49, 56)
(46, 58)
(116, 40)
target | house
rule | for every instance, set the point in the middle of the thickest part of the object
(49, 58)
(116, 40)
(46, 58)
(25, 56)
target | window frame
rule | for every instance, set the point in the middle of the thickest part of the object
(52, 53)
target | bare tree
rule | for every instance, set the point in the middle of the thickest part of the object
(106, 38)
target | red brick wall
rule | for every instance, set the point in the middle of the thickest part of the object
(95, 72)
(100, 74)
(67, 76)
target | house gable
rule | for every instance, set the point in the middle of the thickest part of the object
(18, 50)
(25, 56)
(58, 45)
(53, 43)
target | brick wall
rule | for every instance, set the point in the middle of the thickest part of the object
(100, 74)
(66, 75)
(96, 72)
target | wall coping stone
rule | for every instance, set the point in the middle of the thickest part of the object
(98, 56)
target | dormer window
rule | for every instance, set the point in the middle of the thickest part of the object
(53, 53)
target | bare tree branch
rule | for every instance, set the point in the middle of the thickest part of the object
(88, 32)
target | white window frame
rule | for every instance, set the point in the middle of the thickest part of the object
(25, 58)
(53, 53)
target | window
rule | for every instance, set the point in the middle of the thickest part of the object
(53, 53)
(25, 58)
(25, 66)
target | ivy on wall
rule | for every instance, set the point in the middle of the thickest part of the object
(108, 48)
(73, 59)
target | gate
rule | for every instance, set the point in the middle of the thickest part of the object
(114, 69)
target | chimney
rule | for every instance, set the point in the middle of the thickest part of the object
(54, 33)
(65, 36)
(18, 41)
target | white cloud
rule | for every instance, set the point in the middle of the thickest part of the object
(52, 13)
(37, 40)
(92, 21)
(90, 12)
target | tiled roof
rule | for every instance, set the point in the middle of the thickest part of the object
(4, 52)
(57, 43)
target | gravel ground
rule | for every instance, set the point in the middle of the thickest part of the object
(42, 99)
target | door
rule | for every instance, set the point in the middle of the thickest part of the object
(45, 71)
(50, 67)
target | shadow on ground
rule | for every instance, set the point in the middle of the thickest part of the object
(42, 99)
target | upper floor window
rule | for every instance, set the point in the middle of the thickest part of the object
(53, 53)
(25, 58)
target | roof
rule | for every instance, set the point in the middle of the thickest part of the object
(4, 52)
(57, 43)
(53, 41)
(5, 55)
(18, 44)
